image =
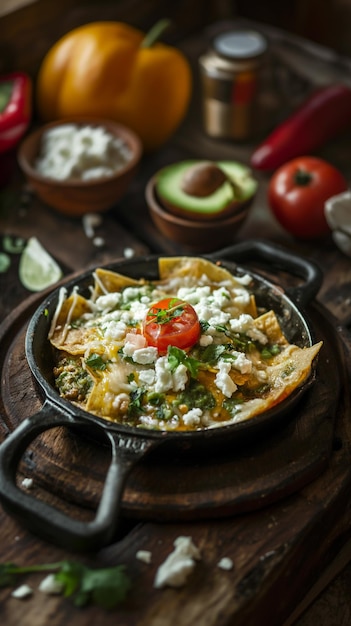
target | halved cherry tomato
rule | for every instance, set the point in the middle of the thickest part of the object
(297, 193)
(171, 322)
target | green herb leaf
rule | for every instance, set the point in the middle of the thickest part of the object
(70, 575)
(163, 316)
(196, 396)
(176, 356)
(105, 587)
(135, 406)
(232, 405)
(211, 353)
(7, 575)
(96, 362)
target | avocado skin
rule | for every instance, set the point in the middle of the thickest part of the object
(217, 205)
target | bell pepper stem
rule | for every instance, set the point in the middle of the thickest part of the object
(155, 33)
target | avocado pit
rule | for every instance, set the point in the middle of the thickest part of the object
(202, 179)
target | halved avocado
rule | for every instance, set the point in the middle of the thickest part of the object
(205, 189)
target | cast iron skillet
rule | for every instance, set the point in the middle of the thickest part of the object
(128, 444)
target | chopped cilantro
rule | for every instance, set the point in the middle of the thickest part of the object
(164, 412)
(96, 362)
(232, 405)
(211, 353)
(104, 587)
(156, 399)
(196, 396)
(136, 400)
(161, 315)
(288, 370)
(269, 352)
(176, 356)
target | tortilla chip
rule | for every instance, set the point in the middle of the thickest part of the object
(197, 267)
(107, 281)
(268, 324)
(64, 337)
(286, 374)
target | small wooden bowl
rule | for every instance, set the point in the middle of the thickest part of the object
(204, 236)
(78, 197)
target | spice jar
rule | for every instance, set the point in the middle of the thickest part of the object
(231, 75)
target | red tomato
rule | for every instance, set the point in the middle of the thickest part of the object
(171, 322)
(298, 191)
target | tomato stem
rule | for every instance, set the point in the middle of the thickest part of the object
(302, 178)
(155, 33)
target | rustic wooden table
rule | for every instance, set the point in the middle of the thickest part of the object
(290, 546)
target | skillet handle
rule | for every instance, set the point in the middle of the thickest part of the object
(282, 259)
(47, 521)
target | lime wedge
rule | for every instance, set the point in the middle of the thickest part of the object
(37, 269)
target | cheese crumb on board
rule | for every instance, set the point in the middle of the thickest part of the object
(22, 592)
(225, 563)
(144, 556)
(27, 483)
(179, 564)
(50, 585)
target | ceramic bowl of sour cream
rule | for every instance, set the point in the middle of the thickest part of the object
(80, 165)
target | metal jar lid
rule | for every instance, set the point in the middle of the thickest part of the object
(240, 45)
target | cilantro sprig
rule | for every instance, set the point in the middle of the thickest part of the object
(96, 362)
(161, 315)
(105, 587)
(177, 356)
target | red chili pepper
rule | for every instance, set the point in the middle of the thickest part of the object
(323, 116)
(15, 108)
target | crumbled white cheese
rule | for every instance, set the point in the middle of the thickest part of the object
(225, 563)
(128, 253)
(223, 381)
(90, 221)
(98, 242)
(241, 297)
(192, 417)
(240, 362)
(205, 340)
(136, 347)
(147, 376)
(134, 342)
(245, 324)
(50, 585)
(115, 330)
(144, 556)
(245, 279)
(167, 379)
(27, 483)
(143, 356)
(179, 564)
(108, 301)
(72, 152)
(22, 592)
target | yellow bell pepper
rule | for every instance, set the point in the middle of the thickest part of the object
(112, 70)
